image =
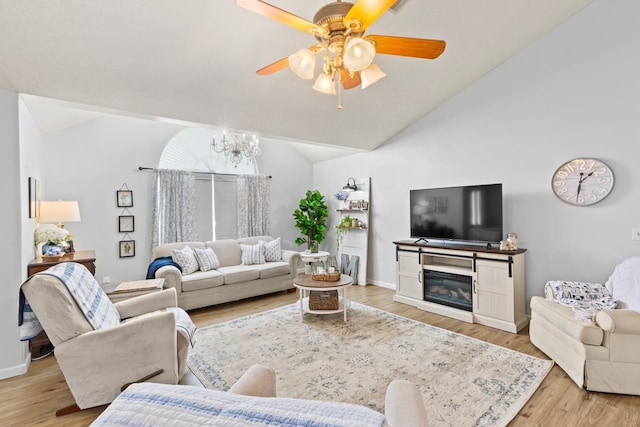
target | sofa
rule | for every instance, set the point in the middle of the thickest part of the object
(252, 401)
(596, 345)
(266, 268)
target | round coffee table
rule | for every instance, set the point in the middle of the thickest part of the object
(307, 285)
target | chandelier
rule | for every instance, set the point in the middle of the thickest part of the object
(237, 147)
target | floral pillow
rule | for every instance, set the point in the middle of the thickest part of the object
(186, 259)
(273, 250)
(207, 259)
(253, 254)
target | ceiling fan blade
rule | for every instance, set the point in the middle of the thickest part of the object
(283, 16)
(367, 11)
(349, 82)
(407, 46)
(272, 68)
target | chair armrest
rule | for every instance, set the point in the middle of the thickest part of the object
(403, 405)
(172, 277)
(146, 303)
(293, 258)
(97, 364)
(258, 380)
(620, 321)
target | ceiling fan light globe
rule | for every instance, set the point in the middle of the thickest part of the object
(370, 75)
(358, 54)
(324, 83)
(303, 63)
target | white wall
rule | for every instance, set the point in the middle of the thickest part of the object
(573, 93)
(89, 162)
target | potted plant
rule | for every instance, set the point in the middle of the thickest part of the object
(342, 228)
(311, 220)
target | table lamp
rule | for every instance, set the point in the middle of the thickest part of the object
(59, 212)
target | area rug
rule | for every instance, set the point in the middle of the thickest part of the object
(464, 381)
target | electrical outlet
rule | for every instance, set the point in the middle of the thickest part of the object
(106, 280)
(635, 233)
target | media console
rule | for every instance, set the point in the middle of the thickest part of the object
(474, 284)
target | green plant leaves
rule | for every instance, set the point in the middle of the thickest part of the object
(311, 218)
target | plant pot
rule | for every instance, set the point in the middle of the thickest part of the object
(313, 247)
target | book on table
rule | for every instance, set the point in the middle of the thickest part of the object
(138, 287)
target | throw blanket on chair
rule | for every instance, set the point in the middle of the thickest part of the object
(86, 291)
(153, 405)
(184, 322)
(29, 324)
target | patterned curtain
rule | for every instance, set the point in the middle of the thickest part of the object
(254, 217)
(174, 207)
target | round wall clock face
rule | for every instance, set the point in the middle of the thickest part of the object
(582, 181)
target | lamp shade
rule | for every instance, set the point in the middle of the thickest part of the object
(324, 83)
(358, 54)
(370, 75)
(59, 212)
(303, 63)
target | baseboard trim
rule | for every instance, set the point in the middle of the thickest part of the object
(14, 371)
(382, 284)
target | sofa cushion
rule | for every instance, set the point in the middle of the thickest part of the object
(253, 254)
(186, 259)
(273, 250)
(563, 318)
(207, 259)
(227, 250)
(202, 280)
(239, 273)
(273, 269)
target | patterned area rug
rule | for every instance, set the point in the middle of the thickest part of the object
(464, 381)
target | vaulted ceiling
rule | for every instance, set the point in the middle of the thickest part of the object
(195, 60)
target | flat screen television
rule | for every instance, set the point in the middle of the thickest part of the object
(469, 213)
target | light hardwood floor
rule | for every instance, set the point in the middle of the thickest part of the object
(33, 398)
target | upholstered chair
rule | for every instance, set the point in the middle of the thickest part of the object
(145, 344)
(596, 345)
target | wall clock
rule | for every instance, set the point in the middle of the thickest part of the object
(582, 181)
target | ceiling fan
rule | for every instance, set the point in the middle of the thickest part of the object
(348, 56)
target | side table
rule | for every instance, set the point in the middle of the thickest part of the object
(126, 290)
(40, 345)
(311, 258)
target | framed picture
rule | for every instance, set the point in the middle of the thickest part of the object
(124, 198)
(127, 248)
(34, 198)
(126, 224)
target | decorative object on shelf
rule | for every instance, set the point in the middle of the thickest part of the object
(341, 229)
(237, 148)
(311, 220)
(360, 205)
(342, 196)
(351, 185)
(339, 30)
(582, 181)
(127, 247)
(124, 197)
(34, 198)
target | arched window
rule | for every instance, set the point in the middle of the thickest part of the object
(216, 187)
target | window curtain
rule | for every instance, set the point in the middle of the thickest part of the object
(174, 207)
(254, 207)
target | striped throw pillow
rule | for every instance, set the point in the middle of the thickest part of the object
(186, 259)
(253, 254)
(273, 250)
(207, 259)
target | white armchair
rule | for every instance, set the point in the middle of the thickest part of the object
(98, 363)
(599, 355)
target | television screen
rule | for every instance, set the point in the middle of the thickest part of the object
(472, 213)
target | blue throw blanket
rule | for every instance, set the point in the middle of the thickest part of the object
(157, 263)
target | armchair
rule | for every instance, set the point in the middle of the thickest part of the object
(144, 343)
(602, 353)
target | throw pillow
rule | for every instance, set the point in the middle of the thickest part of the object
(253, 254)
(207, 259)
(186, 259)
(272, 250)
